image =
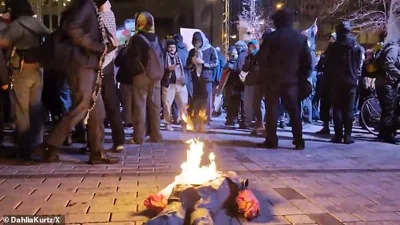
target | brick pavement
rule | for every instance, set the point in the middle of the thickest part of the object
(325, 184)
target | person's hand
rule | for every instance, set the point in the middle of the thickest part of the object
(113, 42)
(199, 61)
(4, 87)
(172, 67)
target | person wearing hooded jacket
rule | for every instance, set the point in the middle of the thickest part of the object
(342, 68)
(146, 92)
(387, 89)
(285, 61)
(23, 34)
(252, 69)
(202, 61)
(235, 89)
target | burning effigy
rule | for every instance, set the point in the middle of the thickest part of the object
(200, 193)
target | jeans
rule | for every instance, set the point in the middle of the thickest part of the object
(127, 102)
(343, 99)
(82, 83)
(259, 105)
(147, 107)
(234, 100)
(26, 96)
(289, 97)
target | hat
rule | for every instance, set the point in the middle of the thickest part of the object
(343, 27)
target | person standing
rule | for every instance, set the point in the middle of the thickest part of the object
(285, 62)
(145, 61)
(387, 88)
(109, 94)
(342, 68)
(174, 85)
(323, 91)
(252, 69)
(23, 36)
(86, 33)
(202, 61)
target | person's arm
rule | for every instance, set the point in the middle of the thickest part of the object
(11, 35)
(214, 62)
(189, 61)
(391, 54)
(74, 29)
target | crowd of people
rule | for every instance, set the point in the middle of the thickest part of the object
(87, 79)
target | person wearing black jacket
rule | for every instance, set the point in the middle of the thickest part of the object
(285, 61)
(81, 25)
(323, 92)
(342, 68)
(146, 92)
(387, 88)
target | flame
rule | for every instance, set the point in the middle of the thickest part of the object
(192, 173)
(188, 122)
(203, 115)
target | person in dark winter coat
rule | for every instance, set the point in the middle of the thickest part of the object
(342, 68)
(387, 88)
(323, 92)
(285, 64)
(82, 27)
(202, 61)
(146, 91)
(234, 89)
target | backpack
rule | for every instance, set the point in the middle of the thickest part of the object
(54, 51)
(155, 64)
(32, 54)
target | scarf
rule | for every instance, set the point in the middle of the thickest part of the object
(199, 68)
(173, 59)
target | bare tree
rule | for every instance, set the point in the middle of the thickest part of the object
(364, 15)
(252, 20)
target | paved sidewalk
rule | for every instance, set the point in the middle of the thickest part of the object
(325, 184)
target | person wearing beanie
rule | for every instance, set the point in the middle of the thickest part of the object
(342, 68)
(285, 65)
(174, 85)
(81, 25)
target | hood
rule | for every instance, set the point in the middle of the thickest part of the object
(283, 18)
(34, 24)
(241, 46)
(99, 3)
(348, 40)
(343, 34)
(145, 22)
(199, 35)
(255, 43)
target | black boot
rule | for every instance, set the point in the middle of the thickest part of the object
(325, 130)
(299, 145)
(348, 140)
(47, 152)
(268, 144)
(336, 139)
(103, 159)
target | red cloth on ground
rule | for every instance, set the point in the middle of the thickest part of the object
(155, 202)
(248, 204)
